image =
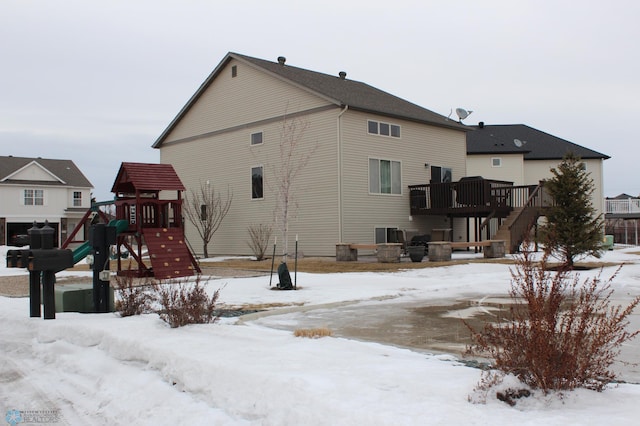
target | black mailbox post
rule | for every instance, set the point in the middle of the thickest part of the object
(101, 237)
(42, 261)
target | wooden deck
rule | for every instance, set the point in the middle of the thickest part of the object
(514, 208)
(470, 197)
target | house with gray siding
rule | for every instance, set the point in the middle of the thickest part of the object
(362, 147)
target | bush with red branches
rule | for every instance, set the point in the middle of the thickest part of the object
(560, 333)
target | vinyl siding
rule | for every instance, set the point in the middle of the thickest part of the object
(249, 97)
(212, 143)
(512, 168)
(34, 173)
(226, 160)
(418, 144)
(56, 201)
(537, 170)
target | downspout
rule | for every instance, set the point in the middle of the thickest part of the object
(339, 153)
(602, 208)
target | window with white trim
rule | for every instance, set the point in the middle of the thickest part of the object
(385, 177)
(33, 197)
(383, 129)
(496, 162)
(256, 138)
(77, 199)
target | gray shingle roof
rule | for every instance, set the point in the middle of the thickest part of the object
(533, 143)
(342, 92)
(356, 94)
(66, 170)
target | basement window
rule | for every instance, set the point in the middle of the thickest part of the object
(386, 235)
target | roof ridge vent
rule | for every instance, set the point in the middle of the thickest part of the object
(342, 75)
(282, 60)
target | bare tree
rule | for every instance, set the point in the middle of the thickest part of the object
(205, 208)
(293, 160)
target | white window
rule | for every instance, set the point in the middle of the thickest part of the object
(383, 129)
(385, 177)
(256, 138)
(496, 162)
(77, 199)
(33, 197)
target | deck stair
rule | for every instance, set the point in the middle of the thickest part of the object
(504, 231)
(516, 226)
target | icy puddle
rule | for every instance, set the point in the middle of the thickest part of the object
(436, 326)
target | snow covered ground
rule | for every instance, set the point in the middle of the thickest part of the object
(99, 369)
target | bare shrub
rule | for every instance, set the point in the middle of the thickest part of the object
(560, 334)
(312, 333)
(259, 236)
(133, 298)
(186, 303)
(490, 379)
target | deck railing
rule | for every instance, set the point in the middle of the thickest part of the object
(626, 206)
(468, 196)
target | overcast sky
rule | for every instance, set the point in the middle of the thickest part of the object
(97, 82)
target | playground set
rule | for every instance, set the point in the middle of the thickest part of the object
(141, 219)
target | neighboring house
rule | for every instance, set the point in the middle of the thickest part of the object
(525, 156)
(365, 148)
(622, 213)
(39, 189)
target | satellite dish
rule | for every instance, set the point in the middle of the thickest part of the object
(518, 143)
(462, 113)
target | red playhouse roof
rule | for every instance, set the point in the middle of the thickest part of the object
(145, 177)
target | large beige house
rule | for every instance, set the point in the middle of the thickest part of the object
(364, 147)
(39, 189)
